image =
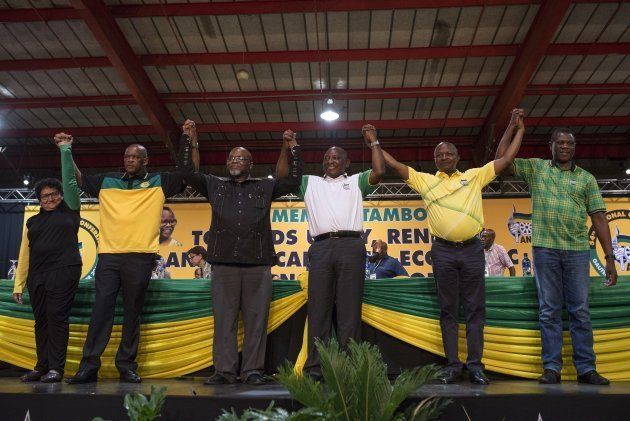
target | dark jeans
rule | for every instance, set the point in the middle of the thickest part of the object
(459, 276)
(131, 272)
(335, 282)
(562, 277)
(51, 294)
(246, 289)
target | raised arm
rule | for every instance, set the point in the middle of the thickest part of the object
(289, 139)
(288, 179)
(190, 129)
(188, 159)
(504, 162)
(63, 138)
(68, 172)
(401, 169)
(378, 161)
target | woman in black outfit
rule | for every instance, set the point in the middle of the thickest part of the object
(50, 266)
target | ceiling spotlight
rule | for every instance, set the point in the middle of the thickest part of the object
(269, 172)
(329, 112)
(628, 171)
(242, 74)
(27, 180)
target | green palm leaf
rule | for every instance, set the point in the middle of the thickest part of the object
(336, 368)
(369, 379)
(407, 383)
(303, 389)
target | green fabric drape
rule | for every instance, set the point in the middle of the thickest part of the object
(510, 302)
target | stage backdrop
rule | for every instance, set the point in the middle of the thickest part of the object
(402, 224)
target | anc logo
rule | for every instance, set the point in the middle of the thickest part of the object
(619, 222)
(88, 243)
(520, 226)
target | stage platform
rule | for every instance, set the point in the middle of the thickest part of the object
(188, 399)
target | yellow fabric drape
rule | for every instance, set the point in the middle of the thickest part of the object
(168, 349)
(510, 351)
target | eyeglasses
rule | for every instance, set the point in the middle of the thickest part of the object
(50, 196)
(171, 222)
(237, 159)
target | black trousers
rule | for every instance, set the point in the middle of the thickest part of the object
(459, 276)
(131, 272)
(246, 289)
(51, 294)
(335, 284)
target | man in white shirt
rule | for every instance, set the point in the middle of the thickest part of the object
(334, 204)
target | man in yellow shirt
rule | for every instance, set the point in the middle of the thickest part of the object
(130, 207)
(454, 207)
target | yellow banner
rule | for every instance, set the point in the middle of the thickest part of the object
(402, 224)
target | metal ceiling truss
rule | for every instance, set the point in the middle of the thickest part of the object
(384, 191)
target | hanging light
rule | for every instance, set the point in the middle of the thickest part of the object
(628, 171)
(242, 74)
(329, 112)
(27, 180)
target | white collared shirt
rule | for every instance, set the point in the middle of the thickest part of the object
(335, 204)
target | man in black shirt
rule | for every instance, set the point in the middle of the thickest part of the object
(241, 253)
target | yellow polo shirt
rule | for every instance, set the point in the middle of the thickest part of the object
(453, 202)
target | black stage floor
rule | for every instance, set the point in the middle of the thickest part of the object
(188, 399)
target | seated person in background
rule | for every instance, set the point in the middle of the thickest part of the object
(159, 269)
(381, 265)
(197, 257)
(497, 259)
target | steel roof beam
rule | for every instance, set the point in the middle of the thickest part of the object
(113, 42)
(312, 56)
(536, 44)
(314, 95)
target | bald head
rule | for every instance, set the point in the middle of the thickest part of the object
(139, 149)
(335, 162)
(446, 157)
(136, 159)
(239, 163)
(448, 145)
(487, 238)
(241, 151)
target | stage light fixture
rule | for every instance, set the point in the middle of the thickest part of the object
(27, 180)
(628, 171)
(242, 74)
(329, 112)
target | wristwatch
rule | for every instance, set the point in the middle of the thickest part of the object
(376, 142)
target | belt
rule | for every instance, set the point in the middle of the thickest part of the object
(456, 243)
(337, 234)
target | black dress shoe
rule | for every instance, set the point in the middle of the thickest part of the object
(593, 377)
(130, 376)
(83, 376)
(31, 376)
(549, 377)
(478, 377)
(449, 376)
(317, 377)
(216, 379)
(255, 379)
(53, 376)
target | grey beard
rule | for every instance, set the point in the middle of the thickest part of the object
(235, 173)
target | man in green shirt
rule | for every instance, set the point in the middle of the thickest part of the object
(563, 194)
